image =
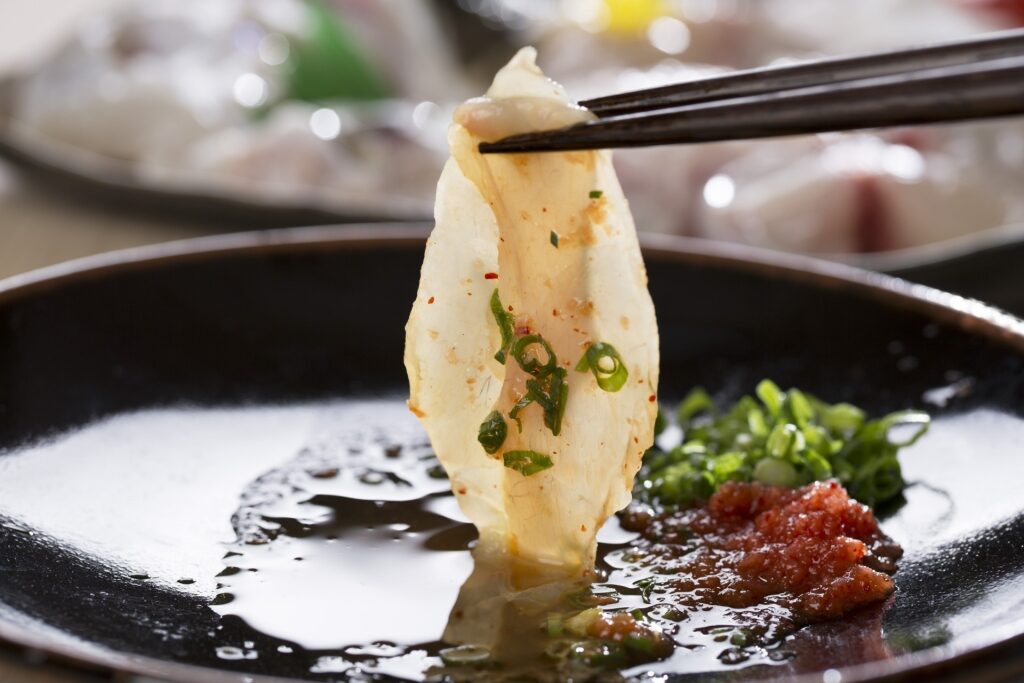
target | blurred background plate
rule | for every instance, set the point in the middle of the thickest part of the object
(284, 112)
(93, 177)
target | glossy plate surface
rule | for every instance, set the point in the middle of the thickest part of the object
(262, 324)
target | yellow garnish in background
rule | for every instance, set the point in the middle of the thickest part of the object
(633, 16)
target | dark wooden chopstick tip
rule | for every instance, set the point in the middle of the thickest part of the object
(962, 92)
(507, 146)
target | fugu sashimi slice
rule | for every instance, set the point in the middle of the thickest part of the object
(553, 236)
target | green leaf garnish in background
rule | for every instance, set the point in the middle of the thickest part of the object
(527, 462)
(781, 438)
(329, 63)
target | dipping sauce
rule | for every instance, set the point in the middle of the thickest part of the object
(788, 557)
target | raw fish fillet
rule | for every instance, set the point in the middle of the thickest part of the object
(554, 235)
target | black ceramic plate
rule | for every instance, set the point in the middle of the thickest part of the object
(268, 322)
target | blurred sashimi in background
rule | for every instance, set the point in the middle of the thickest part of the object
(345, 103)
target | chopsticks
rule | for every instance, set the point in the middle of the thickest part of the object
(958, 81)
(819, 72)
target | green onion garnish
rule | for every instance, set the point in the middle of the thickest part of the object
(596, 194)
(518, 408)
(527, 462)
(560, 395)
(493, 431)
(554, 239)
(697, 401)
(780, 438)
(550, 392)
(547, 387)
(505, 326)
(529, 362)
(604, 361)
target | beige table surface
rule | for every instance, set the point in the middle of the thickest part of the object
(38, 225)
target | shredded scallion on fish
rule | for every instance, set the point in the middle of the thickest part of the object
(506, 323)
(527, 462)
(606, 364)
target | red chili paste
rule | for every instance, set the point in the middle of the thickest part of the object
(812, 551)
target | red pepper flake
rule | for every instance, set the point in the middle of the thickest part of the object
(430, 300)
(554, 312)
(490, 276)
(652, 398)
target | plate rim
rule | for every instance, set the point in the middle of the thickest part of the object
(968, 314)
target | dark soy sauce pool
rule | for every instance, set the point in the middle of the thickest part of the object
(324, 533)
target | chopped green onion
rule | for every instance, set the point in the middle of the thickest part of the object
(554, 239)
(783, 439)
(527, 462)
(604, 361)
(697, 401)
(786, 438)
(799, 407)
(559, 395)
(912, 422)
(554, 625)
(547, 388)
(841, 417)
(506, 327)
(596, 194)
(775, 472)
(529, 362)
(660, 422)
(729, 466)
(641, 644)
(493, 431)
(518, 408)
(771, 396)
